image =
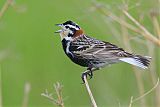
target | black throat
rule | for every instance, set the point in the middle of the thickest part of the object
(64, 44)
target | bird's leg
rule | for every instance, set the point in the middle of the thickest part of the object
(89, 72)
(84, 74)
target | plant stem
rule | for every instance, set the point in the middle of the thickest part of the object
(5, 7)
(0, 86)
(90, 93)
(145, 33)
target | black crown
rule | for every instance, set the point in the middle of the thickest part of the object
(69, 22)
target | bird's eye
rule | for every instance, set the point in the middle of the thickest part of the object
(72, 29)
(67, 27)
(70, 35)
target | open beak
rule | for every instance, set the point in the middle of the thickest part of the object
(58, 30)
(58, 24)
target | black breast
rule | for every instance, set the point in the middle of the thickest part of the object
(76, 59)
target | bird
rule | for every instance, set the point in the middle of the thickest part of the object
(92, 53)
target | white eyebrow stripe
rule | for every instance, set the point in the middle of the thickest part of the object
(71, 26)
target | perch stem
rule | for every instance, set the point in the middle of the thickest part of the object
(89, 92)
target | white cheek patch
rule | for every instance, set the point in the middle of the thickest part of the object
(71, 32)
(68, 38)
(62, 35)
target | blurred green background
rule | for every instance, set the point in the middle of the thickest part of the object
(31, 53)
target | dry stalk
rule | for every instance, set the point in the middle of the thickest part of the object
(127, 45)
(144, 32)
(5, 7)
(154, 74)
(113, 16)
(90, 93)
(142, 96)
(58, 89)
(0, 86)
(59, 101)
(152, 53)
(140, 30)
(131, 101)
(156, 26)
(27, 88)
(148, 92)
(2, 11)
(157, 96)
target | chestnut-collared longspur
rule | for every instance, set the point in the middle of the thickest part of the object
(92, 53)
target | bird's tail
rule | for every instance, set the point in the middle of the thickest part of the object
(137, 60)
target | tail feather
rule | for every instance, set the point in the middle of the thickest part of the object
(137, 60)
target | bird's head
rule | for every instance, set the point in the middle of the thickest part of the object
(69, 30)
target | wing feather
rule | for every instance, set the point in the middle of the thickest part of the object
(100, 53)
(90, 48)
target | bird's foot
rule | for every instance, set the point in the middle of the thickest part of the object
(87, 73)
(90, 72)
